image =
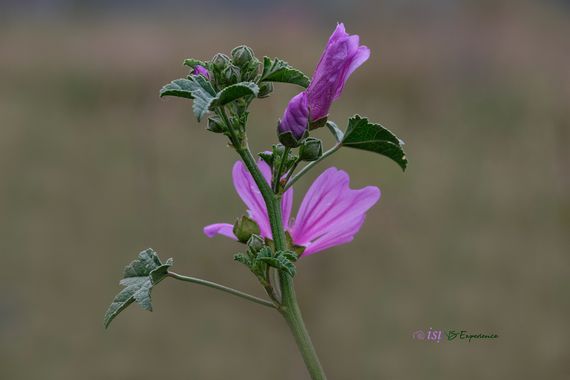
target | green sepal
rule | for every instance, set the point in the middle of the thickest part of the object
(277, 70)
(192, 63)
(361, 134)
(244, 228)
(288, 139)
(139, 277)
(335, 130)
(318, 123)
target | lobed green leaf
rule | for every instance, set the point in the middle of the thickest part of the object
(277, 70)
(138, 279)
(361, 134)
(234, 92)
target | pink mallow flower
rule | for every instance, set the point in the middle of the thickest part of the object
(331, 213)
(342, 55)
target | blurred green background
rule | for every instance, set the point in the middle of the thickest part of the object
(94, 167)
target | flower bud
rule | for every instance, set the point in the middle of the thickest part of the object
(255, 243)
(311, 149)
(215, 125)
(242, 56)
(231, 75)
(293, 126)
(244, 228)
(265, 89)
(342, 55)
(220, 61)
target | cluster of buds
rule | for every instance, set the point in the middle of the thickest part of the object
(242, 66)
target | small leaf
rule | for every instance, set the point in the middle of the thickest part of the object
(277, 70)
(361, 134)
(203, 96)
(195, 87)
(283, 261)
(235, 92)
(178, 87)
(244, 259)
(335, 130)
(138, 279)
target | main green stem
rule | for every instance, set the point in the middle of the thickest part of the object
(289, 307)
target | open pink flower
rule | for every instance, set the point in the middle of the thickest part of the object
(331, 213)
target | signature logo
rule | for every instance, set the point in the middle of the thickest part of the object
(436, 336)
(431, 335)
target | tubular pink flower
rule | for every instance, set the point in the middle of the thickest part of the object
(330, 214)
(342, 55)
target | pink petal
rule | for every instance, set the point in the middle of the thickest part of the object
(362, 54)
(224, 229)
(341, 235)
(249, 192)
(287, 207)
(331, 213)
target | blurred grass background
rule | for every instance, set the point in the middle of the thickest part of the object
(94, 167)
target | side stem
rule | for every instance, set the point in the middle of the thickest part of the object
(223, 288)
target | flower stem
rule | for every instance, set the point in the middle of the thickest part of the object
(289, 307)
(310, 165)
(223, 288)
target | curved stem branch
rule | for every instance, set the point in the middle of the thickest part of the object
(223, 288)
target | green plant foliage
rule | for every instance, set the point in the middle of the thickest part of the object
(277, 70)
(138, 279)
(234, 92)
(361, 134)
(283, 261)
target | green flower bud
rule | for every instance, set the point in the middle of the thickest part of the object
(215, 125)
(311, 149)
(242, 56)
(244, 228)
(265, 89)
(220, 62)
(231, 75)
(255, 243)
